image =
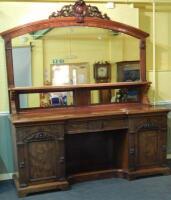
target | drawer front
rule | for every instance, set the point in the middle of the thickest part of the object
(110, 124)
(96, 125)
(147, 123)
(84, 126)
(77, 126)
(49, 131)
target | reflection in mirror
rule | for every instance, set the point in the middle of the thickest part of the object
(68, 55)
(95, 97)
(65, 98)
(52, 99)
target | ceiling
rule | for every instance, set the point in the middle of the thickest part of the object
(74, 33)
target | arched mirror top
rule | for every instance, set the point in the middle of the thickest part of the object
(107, 73)
(78, 14)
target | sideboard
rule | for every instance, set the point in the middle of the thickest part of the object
(57, 149)
(57, 144)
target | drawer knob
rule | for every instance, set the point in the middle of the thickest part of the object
(132, 151)
(60, 138)
(21, 164)
(61, 160)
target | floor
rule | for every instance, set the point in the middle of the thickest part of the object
(153, 188)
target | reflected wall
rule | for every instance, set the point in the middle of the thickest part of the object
(68, 56)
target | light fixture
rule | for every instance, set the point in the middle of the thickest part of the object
(70, 55)
(110, 5)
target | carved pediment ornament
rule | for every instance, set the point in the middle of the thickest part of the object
(79, 10)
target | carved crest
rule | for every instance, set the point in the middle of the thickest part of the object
(79, 10)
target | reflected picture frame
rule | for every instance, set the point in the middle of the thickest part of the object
(128, 71)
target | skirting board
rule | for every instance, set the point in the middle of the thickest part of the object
(6, 176)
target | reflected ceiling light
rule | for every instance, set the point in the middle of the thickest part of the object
(110, 5)
(99, 37)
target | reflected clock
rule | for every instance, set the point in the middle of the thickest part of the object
(102, 71)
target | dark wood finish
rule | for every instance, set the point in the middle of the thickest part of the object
(22, 192)
(81, 97)
(126, 142)
(105, 96)
(78, 14)
(79, 10)
(36, 146)
(9, 60)
(71, 21)
(143, 59)
(26, 90)
(81, 93)
(55, 147)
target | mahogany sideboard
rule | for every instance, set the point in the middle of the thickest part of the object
(57, 149)
(57, 146)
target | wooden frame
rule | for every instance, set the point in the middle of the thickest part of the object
(130, 65)
(78, 14)
(74, 20)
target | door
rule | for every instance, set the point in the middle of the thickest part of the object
(40, 152)
(64, 74)
(150, 140)
(148, 148)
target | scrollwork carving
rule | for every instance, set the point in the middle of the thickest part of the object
(79, 10)
(93, 11)
(148, 125)
(38, 136)
(24, 132)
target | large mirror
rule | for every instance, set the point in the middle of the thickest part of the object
(73, 55)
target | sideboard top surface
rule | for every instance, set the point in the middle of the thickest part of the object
(85, 112)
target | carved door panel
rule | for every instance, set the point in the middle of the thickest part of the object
(147, 148)
(40, 153)
(42, 160)
(150, 140)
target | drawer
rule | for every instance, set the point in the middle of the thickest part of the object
(39, 132)
(77, 126)
(84, 126)
(96, 125)
(112, 124)
(148, 122)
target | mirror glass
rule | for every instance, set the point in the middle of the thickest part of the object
(74, 55)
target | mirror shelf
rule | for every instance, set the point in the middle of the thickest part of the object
(24, 90)
(58, 97)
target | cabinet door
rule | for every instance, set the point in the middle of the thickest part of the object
(148, 148)
(149, 140)
(40, 152)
